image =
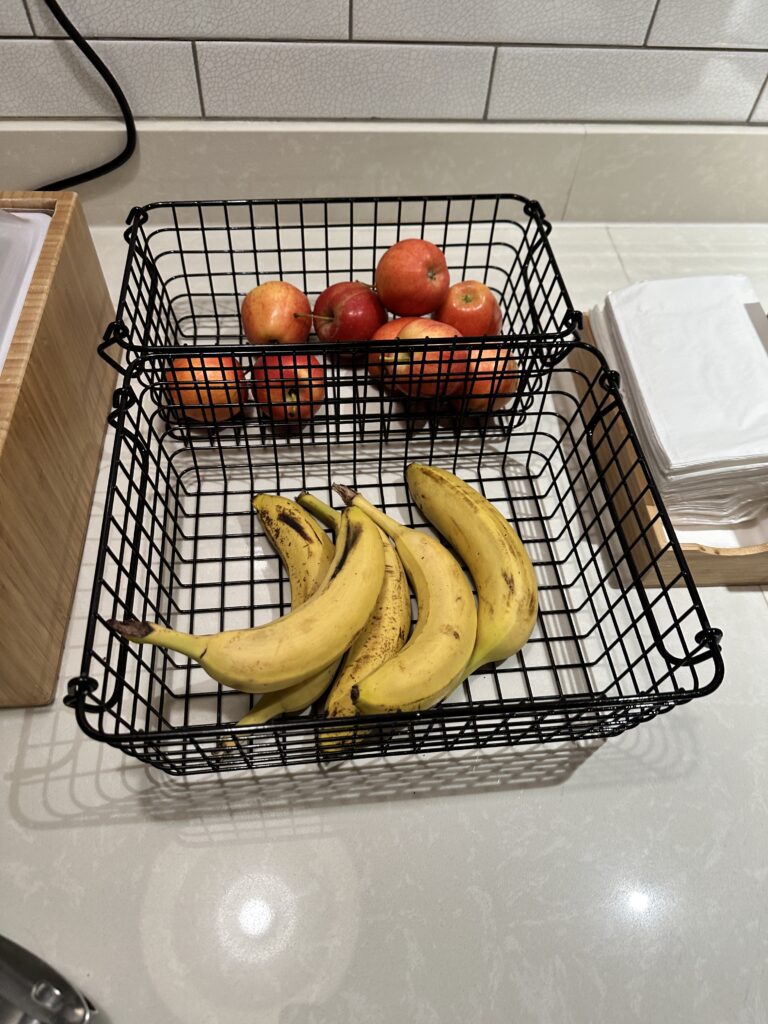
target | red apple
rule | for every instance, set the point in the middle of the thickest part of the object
(412, 277)
(276, 311)
(348, 311)
(432, 370)
(387, 332)
(288, 387)
(391, 329)
(492, 377)
(209, 389)
(471, 308)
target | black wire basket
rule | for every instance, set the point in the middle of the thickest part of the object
(614, 644)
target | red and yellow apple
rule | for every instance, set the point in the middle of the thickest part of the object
(207, 389)
(491, 379)
(379, 363)
(432, 370)
(412, 277)
(288, 387)
(471, 308)
(348, 311)
(276, 311)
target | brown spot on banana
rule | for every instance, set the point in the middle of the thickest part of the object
(267, 521)
(429, 472)
(295, 524)
(353, 536)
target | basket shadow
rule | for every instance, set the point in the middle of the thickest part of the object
(67, 779)
(60, 776)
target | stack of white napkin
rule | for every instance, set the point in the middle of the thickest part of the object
(694, 377)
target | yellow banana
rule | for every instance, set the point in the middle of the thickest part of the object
(434, 660)
(306, 552)
(384, 635)
(300, 644)
(507, 594)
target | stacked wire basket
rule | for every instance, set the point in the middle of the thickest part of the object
(614, 645)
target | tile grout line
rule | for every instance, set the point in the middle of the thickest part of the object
(432, 43)
(575, 172)
(650, 23)
(490, 82)
(351, 20)
(196, 62)
(756, 104)
(29, 18)
(9, 119)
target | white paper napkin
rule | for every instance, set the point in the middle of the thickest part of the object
(21, 238)
(695, 380)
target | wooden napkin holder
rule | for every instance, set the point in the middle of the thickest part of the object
(55, 393)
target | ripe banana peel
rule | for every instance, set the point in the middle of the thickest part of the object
(384, 635)
(306, 551)
(300, 644)
(434, 659)
(507, 593)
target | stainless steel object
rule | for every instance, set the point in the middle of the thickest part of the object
(32, 992)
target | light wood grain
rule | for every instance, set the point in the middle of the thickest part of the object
(709, 567)
(55, 393)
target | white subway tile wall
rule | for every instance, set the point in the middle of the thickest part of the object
(505, 21)
(546, 84)
(741, 24)
(760, 114)
(200, 19)
(280, 80)
(51, 78)
(13, 19)
(504, 60)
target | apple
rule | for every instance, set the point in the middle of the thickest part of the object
(276, 311)
(430, 371)
(471, 308)
(492, 377)
(387, 332)
(348, 311)
(412, 277)
(209, 389)
(391, 329)
(288, 387)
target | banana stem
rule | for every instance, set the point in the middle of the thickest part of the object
(159, 636)
(328, 516)
(352, 497)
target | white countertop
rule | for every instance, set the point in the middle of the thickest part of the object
(610, 882)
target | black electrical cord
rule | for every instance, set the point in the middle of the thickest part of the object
(117, 92)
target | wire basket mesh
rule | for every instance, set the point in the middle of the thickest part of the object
(190, 264)
(613, 645)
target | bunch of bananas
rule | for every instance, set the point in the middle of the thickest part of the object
(348, 635)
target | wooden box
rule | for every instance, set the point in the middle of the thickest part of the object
(55, 393)
(709, 566)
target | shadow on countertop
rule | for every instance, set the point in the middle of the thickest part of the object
(61, 778)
